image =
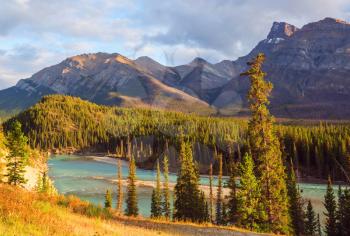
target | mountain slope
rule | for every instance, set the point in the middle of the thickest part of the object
(309, 67)
(109, 79)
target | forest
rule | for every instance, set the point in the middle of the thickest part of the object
(263, 160)
(69, 124)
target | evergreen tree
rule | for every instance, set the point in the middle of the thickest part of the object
(211, 198)
(265, 150)
(296, 204)
(232, 199)
(331, 207)
(249, 207)
(108, 199)
(119, 188)
(319, 229)
(187, 195)
(203, 208)
(131, 200)
(219, 201)
(224, 215)
(341, 212)
(156, 204)
(166, 191)
(18, 154)
(310, 221)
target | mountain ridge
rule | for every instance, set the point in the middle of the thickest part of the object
(308, 66)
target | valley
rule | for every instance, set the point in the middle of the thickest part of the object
(106, 144)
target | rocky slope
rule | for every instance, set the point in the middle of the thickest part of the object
(103, 78)
(309, 67)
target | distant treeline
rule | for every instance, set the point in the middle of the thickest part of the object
(67, 123)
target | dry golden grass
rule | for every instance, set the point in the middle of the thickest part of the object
(28, 213)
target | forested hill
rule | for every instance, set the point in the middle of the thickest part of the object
(70, 124)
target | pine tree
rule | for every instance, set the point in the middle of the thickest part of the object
(224, 215)
(341, 212)
(156, 204)
(296, 204)
(331, 207)
(187, 195)
(319, 229)
(18, 154)
(249, 207)
(203, 208)
(211, 198)
(219, 201)
(232, 198)
(131, 200)
(119, 188)
(108, 199)
(310, 221)
(166, 191)
(265, 150)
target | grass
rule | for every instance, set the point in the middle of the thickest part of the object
(29, 213)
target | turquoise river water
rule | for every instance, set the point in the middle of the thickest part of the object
(89, 178)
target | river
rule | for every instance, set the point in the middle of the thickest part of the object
(90, 177)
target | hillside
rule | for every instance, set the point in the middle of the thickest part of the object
(29, 213)
(309, 67)
(68, 124)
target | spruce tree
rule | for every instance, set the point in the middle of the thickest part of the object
(211, 197)
(131, 199)
(45, 183)
(310, 220)
(232, 198)
(296, 204)
(224, 215)
(331, 207)
(203, 208)
(265, 149)
(187, 195)
(108, 199)
(18, 154)
(119, 205)
(319, 229)
(341, 212)
(156, 203)
(249, 207)
(166, 191)
(219, 201)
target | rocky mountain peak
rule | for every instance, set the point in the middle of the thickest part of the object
(330, 20)
(281, 30)
(198, 61)
(327, 24)
(146, 61)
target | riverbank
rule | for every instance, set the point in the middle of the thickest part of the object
(111, 160)
(150, 184)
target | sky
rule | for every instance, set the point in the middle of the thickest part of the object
(38, 33)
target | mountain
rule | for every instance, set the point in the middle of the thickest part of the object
(309, 67)
(109, 79)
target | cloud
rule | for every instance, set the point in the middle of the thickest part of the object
(232, 27)
(35, 34)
